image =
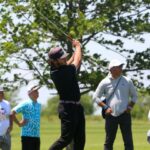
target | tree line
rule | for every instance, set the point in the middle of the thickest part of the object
(29, 28)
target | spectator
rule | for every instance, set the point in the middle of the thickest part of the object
(121, 96)
(148, 133)
(30, 110)
(5, 122)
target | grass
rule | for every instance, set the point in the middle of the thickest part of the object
(95, 134)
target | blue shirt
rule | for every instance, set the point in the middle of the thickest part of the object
(31, 112)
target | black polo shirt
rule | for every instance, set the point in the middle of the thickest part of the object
(66, 82)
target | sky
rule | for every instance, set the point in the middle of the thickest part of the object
(109, 55)
(106, 54)
(94, 48)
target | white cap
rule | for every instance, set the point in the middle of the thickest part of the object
(33, 87)
(114, 63)
(1, 89)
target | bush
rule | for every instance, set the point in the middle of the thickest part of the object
(52, 104)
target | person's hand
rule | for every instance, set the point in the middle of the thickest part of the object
(129, 108)
(108, 111)
(22, 122)
(76, 43)
(10, 128)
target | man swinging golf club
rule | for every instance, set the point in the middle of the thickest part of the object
(71, 112)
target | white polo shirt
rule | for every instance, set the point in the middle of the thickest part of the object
(124, 93)
(5, 110)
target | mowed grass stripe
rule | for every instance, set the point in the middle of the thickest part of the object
(95, 134)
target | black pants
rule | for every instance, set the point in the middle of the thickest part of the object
(72, 127)
(5, 142)
(111, 126)
(30, 143)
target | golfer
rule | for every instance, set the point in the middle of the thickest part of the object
(71, 113)
(5, 122)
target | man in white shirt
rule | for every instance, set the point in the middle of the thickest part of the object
(148, 133)
(5, 122)
(121, 96)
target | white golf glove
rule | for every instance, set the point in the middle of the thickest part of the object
(148, 136)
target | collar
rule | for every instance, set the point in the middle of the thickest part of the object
(32, 101)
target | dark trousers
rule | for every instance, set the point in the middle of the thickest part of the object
(5, 142)
(30, 143)
(72, 127)
(111, 126)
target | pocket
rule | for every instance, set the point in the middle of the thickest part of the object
(61, 111)
(60, 108)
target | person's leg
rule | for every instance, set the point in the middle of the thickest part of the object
(111, 126)
(70, 146)
(25, 143)
(1, 141)
(79, 139)
(66, 115)
(37, 143)
(0, 144)
(6, 145)
(29, 143)
(125, 126)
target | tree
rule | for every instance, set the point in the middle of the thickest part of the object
(28, 29)
(52, 104)
(142, 107)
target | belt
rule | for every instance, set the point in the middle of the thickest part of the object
(69, 102)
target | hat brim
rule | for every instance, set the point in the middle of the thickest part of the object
(34, 89)
(64, 56)
(121, 65)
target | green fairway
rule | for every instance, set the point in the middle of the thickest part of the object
(95, 135)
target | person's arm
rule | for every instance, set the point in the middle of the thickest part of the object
(130, 106)
(106, 108)
(97, 97)
(98, 93)
(10, 119)
(11, 123)
(133, 95)
(15, 119)
(77, 55)
(70, 60)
